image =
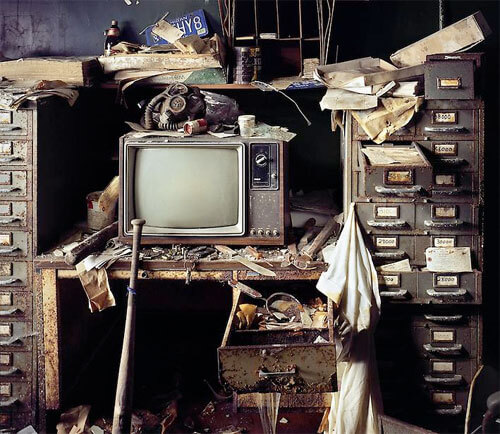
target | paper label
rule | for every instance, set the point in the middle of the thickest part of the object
(444, 212)
(387, 212)
(443, 367)
(5, 298)
(5, 178)
(386, 242)
(445, 117)
(399, 177)
(449, 83)
(446, 180)
(446, 280)
(443, 242)
(443, 336)
(5, 359)
(6, 209)
(443, 398)
(5, 148)
(389, 279)
(448, 149)
(5, 268)
(5, 329)
(6, 389)
(399, 266)
(5, 117)
(448, 260)
(6, 239)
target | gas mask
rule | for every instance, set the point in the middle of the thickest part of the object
(176, 104)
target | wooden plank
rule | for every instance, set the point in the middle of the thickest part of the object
(51, 339)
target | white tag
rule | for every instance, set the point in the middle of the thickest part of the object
(448, 260)
(443, 242)
(445, 280)
(386, 242)
(387, 211)
(443, 336)
(443, 398)
(443, 367)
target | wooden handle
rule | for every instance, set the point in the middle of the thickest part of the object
(122, 416)
(320, 239)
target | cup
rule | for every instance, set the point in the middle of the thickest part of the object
(247, 125)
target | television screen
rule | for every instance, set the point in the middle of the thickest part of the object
(188, 187)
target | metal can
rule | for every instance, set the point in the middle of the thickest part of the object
(195, 127)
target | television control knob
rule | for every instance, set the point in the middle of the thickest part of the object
(268, 233)
(261, 160)
(260, 232)
(276, 233)
(253, 232)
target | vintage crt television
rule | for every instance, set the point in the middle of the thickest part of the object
(203, 190)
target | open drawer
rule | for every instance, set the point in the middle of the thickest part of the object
(286, 361)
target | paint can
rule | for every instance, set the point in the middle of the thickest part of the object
(247, 125)
(195, 127)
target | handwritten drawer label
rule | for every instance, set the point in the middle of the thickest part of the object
(446, 180)
(443, 242)
(5, 117)
(6, 208)
(6, 239)
(5, 359)
(5, 298)
(5, 148)
(387, 212)
(386, 242)
(389, 279)
(5, 178)
(6, 389)
(449, 83)
(445, 117)
(446, 280)
(399, 177)
(443, 398)
(443, 335)
(447, 149)
(5, 268)
(443, 367)
(445, 212)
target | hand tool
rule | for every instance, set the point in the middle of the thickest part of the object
(122, 416)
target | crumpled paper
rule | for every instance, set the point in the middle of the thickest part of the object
(96, 285)
(74, 420)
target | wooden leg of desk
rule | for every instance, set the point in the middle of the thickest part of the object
(51, 338)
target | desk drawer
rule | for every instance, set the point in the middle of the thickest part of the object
(15, 183)
(15, 123)
(447, 403)
(446, 123)
(15, 214)
(447, 218)
(16, 364)
(449, 373)
(14, 274)
(450, 287)
(386, 218)
(14, 304)
(449, 185)
(15, 394)
(15, 244)
(452, 154)
(15, 335)
(398, 286)
(15, 152)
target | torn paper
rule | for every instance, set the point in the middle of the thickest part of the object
(448, 260)
(399, 266)
(74, 420)
(340, 99)
(96, 286)
(393, 114)
(403, 156)
(167, 31)
(273, 132)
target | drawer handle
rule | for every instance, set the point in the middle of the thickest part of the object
(8, 220)
(459, 292)
(10, 311)
(400, 191)
(396, 224)
(10, 159)
(8, 250)
(263, 374)
(446, 130)
(402, 293)
(400, 254)
(7, 128)
(9, 372)
(455, 380)
(453, 161)
(9, 189)
(455, 349)
(450, 411)
(5, 282)
(443, 225)
(16, 340)
(444, 318)
(449, 191)
(9, 402)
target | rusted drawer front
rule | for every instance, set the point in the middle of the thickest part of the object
(448, 373)
(452, 154)
(446, 123)
(398, 286)
(16, 394)
(390, 248)
(450, 79)
(16, 365)
(473, 241)
(300, 368)
(450, 287)
(15, 184)
(15, 123)
(15, 244)
(447, 218)
(15, 214)
(12, 420)
(14, 274)
(15, 335)
(447, 403)
(448, 185)
(15, 304)
(385, 218)
(15, 152)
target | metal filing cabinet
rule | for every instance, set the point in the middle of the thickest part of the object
(429, 336)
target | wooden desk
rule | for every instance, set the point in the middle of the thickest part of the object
(50, 272)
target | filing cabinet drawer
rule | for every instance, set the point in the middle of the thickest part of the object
(15, 123)
(450, 79)
(397, 286)
(11, 420)
(422, 242)
(17, 365)
(15, 244)
(390, 248)
(446, 123)
(452, 154)
(447, 403)
(447, 218)
(14, 214)
(448, 185)
(15, 152)
(15, 304)
(15, 184)
(405, 131)
(450, 287)
(384, 218)
(14, 274)
(16, 394)
(15, 335)
(448, 373)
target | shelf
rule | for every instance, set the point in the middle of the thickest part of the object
(221, 86)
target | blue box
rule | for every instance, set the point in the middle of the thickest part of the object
(193, 23)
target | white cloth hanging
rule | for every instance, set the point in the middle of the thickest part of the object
(351, 282)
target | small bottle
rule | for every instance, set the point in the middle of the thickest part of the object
(112, 37)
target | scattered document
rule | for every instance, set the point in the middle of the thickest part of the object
(448, 260)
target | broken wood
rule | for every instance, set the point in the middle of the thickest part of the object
(109, 197)
(325, 233)
(91, 244)
(308, 233)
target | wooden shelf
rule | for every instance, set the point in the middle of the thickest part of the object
(221, 86)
